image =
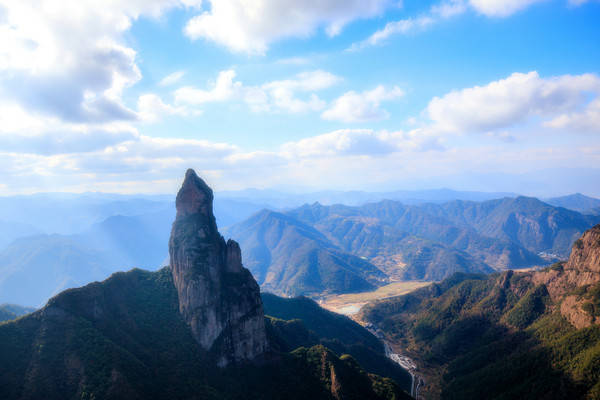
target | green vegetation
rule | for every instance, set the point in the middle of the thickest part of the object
(125, 338)
(299, 259)
(301, 322)
(591, 293)
(494, 338)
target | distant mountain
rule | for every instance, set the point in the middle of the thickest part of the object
(12, 311)
(527, 221)
(398, 253)
(577, 202)
(390, 234)
(281, 200)
(46, 264)
(38, 267)
(68, 213)
(289, 257)
(74, 213)
(509, 335)
(10, 230)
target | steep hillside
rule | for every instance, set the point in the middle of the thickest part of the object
(290, 257)
(301, 322)
(509, 335)
(126, 337)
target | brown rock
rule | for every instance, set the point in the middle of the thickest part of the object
(582, 269)
(218, 297)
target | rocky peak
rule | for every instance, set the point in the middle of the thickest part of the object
(218, 297)
(194, 196)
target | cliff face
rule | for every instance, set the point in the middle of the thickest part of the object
(585, 255)
(572, 285)
(218, 297)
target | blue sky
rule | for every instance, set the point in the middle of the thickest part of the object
(494, 95)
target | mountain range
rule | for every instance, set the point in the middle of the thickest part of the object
(293, 252)
(194, 330)
(577, 202)
(313, 249)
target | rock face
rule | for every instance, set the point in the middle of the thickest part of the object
(582, 270)
(218, 297)
(585, 255)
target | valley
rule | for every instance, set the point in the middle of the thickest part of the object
(351, 303)
(401, 290)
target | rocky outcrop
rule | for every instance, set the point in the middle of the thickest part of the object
(581, 271)
(218, 297)
(585, 255)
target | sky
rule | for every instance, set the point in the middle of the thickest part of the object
(376, 95)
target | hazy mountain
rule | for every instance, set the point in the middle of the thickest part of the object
(577, 202)
(69, 213)
(74, 213)
(509, 335)
(38, 267)
(47, 264)
(281, 200)
(10, 230)
(12, 311)
(287, 256)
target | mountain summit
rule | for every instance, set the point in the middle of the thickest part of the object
(218, 297)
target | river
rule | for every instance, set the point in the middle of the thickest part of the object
(405, 362)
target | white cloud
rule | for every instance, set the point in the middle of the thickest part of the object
(223, 89)
(294, 61)
(67, 59)
(501, 8)
(587, 120)
(151, 108)
(361, 107)
(351, 158)
(282, 94)
(359, 142)
(437, 12)
(172, 78)
(511, 101)
(22, 133)
(270, 96)
(447, 9)
(251, 26)
(305, 81)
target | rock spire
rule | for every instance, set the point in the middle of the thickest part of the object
(218, 297)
